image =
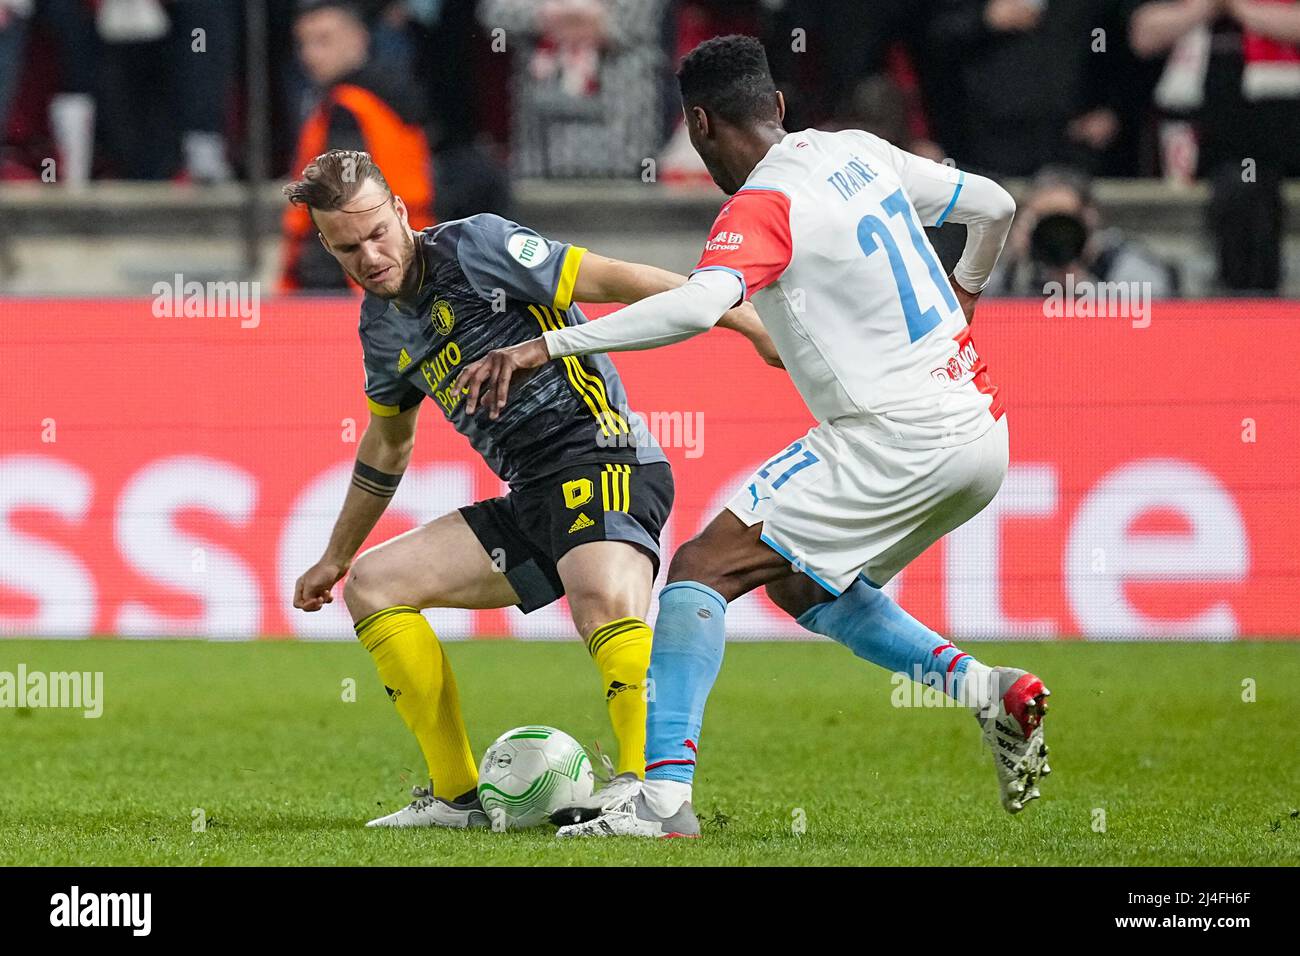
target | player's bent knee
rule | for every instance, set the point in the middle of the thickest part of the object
(592, 608)
(730, 567)
(683, 564)
(364, 592)
(692, 562)
(797, 594)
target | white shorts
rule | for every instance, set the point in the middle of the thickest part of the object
(837, 504)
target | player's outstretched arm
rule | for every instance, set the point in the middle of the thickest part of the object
(382, 456)
(659, 320)
(601, 279)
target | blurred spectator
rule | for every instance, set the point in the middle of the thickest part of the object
(588, 85)
(1020, 77)
(137, 88)
(14, 15)
(449, 53)
(205, 44)
(1059, 230)
(823, 50)
(879, 106)
(1234, 70)
(360, 105)
(1119, 124)
(64, 31)
(166, 73)
(695, 21)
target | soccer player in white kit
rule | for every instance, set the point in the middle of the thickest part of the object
(824, 234)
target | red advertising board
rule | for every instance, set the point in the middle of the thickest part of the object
(172, 476)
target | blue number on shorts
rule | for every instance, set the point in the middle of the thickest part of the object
(873, 233)
(808, 459)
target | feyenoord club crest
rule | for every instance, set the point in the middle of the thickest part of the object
(442, 316)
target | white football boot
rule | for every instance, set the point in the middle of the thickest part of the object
(426, 810)
(616, 790)
(632, 816)
(1013, 731)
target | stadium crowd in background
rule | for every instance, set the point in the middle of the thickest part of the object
(1178, 89)
(355, 103)
(1233, 80)
(1059, 231)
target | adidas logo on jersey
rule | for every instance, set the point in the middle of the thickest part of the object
(582, 521)
(724, 241)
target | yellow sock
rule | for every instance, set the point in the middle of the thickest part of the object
(621, 650)
(418, 678)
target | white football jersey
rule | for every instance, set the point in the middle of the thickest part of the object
(827, 237)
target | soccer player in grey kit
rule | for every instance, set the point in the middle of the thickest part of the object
(590, 487)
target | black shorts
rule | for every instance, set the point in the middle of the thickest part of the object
(527, 532)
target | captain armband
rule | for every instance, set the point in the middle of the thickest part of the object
(375, 482)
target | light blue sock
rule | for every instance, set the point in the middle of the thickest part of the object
(685, 657)
(868, 622)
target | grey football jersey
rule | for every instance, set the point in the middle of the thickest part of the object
(488, 283)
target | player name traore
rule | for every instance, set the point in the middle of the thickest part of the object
(852, 177)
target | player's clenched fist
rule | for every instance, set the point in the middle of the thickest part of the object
(314, 589)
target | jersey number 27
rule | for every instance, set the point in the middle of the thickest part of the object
(873, 233)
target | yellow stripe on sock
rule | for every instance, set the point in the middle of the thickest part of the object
(606, 631)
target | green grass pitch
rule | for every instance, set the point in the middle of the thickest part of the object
(798, 737)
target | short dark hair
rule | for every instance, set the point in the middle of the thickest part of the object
(729, 77)
(331, 179)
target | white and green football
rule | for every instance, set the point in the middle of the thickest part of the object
(530, 772)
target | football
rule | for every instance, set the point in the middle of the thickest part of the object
(530, 772)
